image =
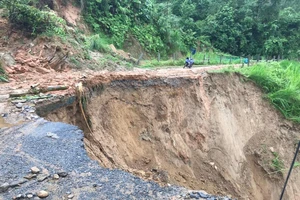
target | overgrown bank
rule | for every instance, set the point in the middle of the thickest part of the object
(281, 83)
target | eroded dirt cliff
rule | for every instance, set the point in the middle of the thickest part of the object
(202, 131)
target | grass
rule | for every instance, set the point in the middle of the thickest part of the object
(280, 81)
(3, 75)
(98, 43)
(200, 58)
(155, 63)
(277, 163)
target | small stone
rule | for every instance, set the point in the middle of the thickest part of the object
(30, 176)
(42, 194)
(19, 196)
(4, 187)
(212, 163)
(18, 101)
(35, 170)
(29, 196)
(42, 177)
(272, 149)
(56, 176)
(194, 196)
(95, 185)
(203, 194)
(52, 135)
(70, 196)
(62, 174)
(19, 105)
(18, 182)
(31, 110)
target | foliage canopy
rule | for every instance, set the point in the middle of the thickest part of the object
(239, 27)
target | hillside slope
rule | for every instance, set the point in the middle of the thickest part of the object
(202, 131)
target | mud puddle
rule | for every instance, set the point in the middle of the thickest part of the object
(4, 124)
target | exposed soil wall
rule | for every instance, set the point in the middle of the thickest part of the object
(212, 132)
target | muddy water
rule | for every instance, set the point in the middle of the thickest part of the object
(4, 124)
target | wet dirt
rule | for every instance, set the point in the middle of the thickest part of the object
(4, 124)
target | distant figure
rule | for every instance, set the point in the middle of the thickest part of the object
(188, 62)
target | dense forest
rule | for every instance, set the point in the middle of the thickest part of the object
(239, 27)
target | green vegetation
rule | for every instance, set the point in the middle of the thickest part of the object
(95, 42)
(24, 15)
(239, 27)
(200, 58)
(156, 64)
(277, 163)
(3, 75)
(281, 82)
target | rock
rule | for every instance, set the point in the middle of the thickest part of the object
(42, 70)
(29, 196)
(52, 135)
(19, 105)
(19, 196)
(8, 59)
(17, 183)
(18, 101)
(31, 110)
(4, 114)
(70, 196)
(272, 149)
(62, 174)
(35, 170)
(42, 194)
(194, 195)
(4, 97)
(30, 176)
(56, 176)
(42, 177)
(4, 187)
(204, 195)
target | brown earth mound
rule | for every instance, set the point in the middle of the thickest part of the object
(209, 132)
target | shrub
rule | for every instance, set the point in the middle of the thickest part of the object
(23, 15)
(95, 42)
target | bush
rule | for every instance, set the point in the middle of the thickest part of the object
(95, 42)
(23, 15)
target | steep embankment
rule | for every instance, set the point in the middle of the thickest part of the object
(203, 131)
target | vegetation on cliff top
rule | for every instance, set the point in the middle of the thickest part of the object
(281, 83)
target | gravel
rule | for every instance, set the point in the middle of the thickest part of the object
(29, 145)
